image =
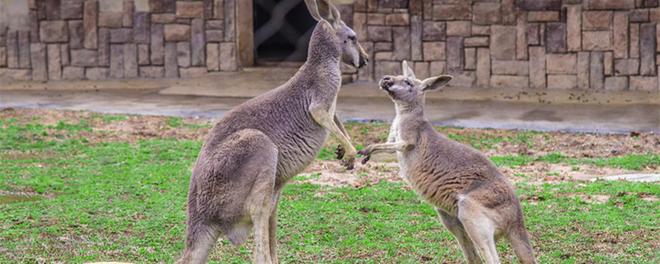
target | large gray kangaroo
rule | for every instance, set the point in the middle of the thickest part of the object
(258, 146)
(475, 201)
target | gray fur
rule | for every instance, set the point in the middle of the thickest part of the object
(474, 200)
(258, 146)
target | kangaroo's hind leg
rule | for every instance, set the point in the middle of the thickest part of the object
(479, 227)
(201, 235)
(261, 200)
(456, 228)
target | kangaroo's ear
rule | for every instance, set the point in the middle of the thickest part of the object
(323, 10)
(436, 82)
(407, 71)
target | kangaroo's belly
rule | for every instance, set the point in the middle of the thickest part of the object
(297, 151)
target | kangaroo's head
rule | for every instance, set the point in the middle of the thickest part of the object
(407, 91)
(352, 52)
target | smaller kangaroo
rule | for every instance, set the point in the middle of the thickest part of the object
(474, 200)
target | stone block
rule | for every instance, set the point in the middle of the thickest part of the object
(437, 67)
(157, 45)
(434, 31)
(141, 27)
(608, 63)
(397, 19)
(555, 37)
(189, 9)
(130, 60)
(24, 49)
(561, 63)
(12, 49)
(53, 31)
(143, 54)
(379, 33)
(434, 51)
(616, 83)
(230, 20)
(459, 11)
(177, 32)
(220, 24)
(539, 5)
(533, 36)
(626, 67)
(609, 4)
(401, 43)
(596, 20)
(111, 19)
(152, 72)
(228, 57)
(383, 68)
(634, 41)
(163, 18)
(583, 62)
(215, 35)
(15, 74)
(509, 81)
(117, 61)
(183, 54)
(383, 46)
(543, 16)
(162, 6)
(476, 42)
(208, 9)
(537, 67)
(197, 42)
(77, 34)
(480, 30)
(597, 40)
(640, 83)
(466, 79)
(455, 56)
(89, 24)
(64, 54)
(73, 73)
(219, 9)
(129, 10)
(96, 74)
(647, 48)
(639, 15)
(71, 9)
(34, 26)
(483, 71)
(521, 39)
(574, 33)
(3, 57)
(509, 12)
(121, 35)
(620, 35)
(503, 42)
(486, 13)
(421, 70)
(213, 56)
(171, 67)
(83, 58)
(38, 61)
(192, 72)
(562, 82)
(142, 6)
(597, 70)
(381, 56)
(416, 35)
(104, 47)
(52, 8)
(459, 28)
(512, 67)
(54, 62)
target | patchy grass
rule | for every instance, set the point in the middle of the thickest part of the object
(124, 200)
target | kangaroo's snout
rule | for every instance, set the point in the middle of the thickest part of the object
(386, 83)
(363, 62)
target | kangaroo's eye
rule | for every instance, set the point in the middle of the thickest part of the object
(408, 82)
(352, 38)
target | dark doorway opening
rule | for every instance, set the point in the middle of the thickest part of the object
(282, 29)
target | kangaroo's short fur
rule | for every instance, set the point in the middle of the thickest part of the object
(474, 200)
(258, 146)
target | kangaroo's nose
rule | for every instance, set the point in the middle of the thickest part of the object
(386, 83)
(363, 62)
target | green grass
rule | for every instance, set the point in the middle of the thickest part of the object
(126, 202)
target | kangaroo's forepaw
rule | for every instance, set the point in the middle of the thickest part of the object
(340, 152)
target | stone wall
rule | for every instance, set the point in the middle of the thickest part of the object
(542, 44)
(101, 39)
(553, 44)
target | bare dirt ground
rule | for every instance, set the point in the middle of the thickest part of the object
(132, 128)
